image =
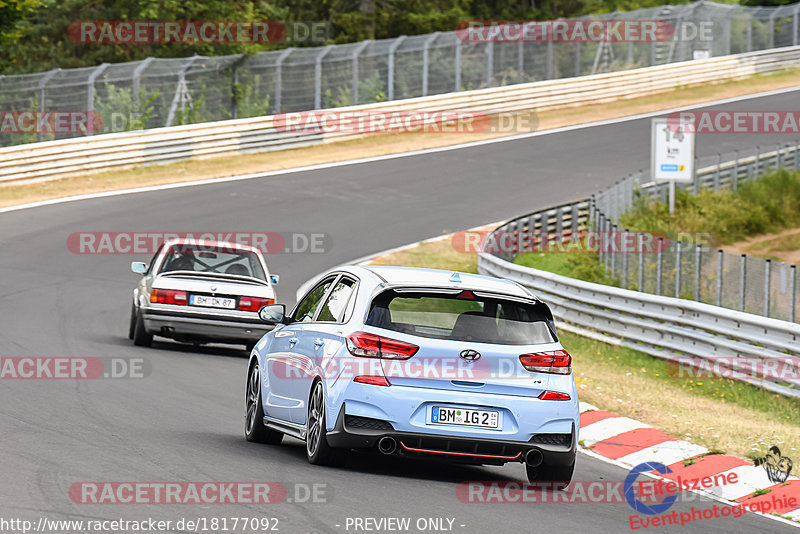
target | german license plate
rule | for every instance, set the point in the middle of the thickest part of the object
(462, 416)
(212, 302)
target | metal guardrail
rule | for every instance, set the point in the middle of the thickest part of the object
(664, 327)
(164, 92)
(55, 159)
(710, 324)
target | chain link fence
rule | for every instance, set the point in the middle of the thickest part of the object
(698, 272)
(163, 92)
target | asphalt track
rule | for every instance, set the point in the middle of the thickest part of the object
(184, 421)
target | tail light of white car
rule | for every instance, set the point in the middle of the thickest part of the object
(253, 303)
(557, 362)
(368, 345)
(168, 296)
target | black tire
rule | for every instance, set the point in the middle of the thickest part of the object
(318, 451)
(140, 337)
(561, 475)
(132, 325)
(254, 429)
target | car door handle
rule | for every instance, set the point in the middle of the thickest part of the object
(319, 342)
(293, 341)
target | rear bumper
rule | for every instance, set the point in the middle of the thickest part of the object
(473, 450)
(204, 327)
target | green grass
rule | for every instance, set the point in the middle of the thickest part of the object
(766, 205)
(580, 265)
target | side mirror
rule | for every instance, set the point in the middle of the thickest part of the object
(139, 267)
(274, 279)
(272, 313)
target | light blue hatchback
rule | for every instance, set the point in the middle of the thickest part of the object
(418, 363)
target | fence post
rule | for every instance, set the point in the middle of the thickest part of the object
(40, 87)
(520, 59)
(716, 173)
(749, 33)
(613, 256)
(796, 153)
(425, 61)
(658, 265)
(393, 48)
(90, 95)
(758, 162)
(640, 282)
(742, 280)
(137, 76)
(318, 76)
(695, 178)
(549, 59)
(357, 52)
(792, 296)
(235, 84)
(767, 265)
(794, 25)
(625, 255)
(720, 258)
(698, 253)
(577, 59)
(772, 28)
(458, 64)
(279, 78)
(677, 269)
(735, 176)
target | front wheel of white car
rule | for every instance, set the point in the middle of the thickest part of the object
(254, 429)
(318, 451)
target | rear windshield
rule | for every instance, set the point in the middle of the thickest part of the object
(463, 316)
(211, 259)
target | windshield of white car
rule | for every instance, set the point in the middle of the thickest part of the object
(463, 317)
(212, 259)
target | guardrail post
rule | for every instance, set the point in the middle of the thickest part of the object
(575, 223)
(742, 280)
(767, 265)
(279, 78)
(357, 52)
(425, 61)
(659, 260)
(318, 76)
(735, 177)
(677, 269)
(792, 295)
(393, 48)
(720, 258)
(698, 253)
(90, 93)
(40, 87)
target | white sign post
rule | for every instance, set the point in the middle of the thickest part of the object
(672, 153)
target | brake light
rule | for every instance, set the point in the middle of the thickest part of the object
(557, 362)
(253, 303)
(372, 380)
(554, 395)
(168, 296)
(373, 346)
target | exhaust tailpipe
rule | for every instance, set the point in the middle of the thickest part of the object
(387, 445)
(534, 457)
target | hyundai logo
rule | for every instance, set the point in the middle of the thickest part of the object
(470, 355)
